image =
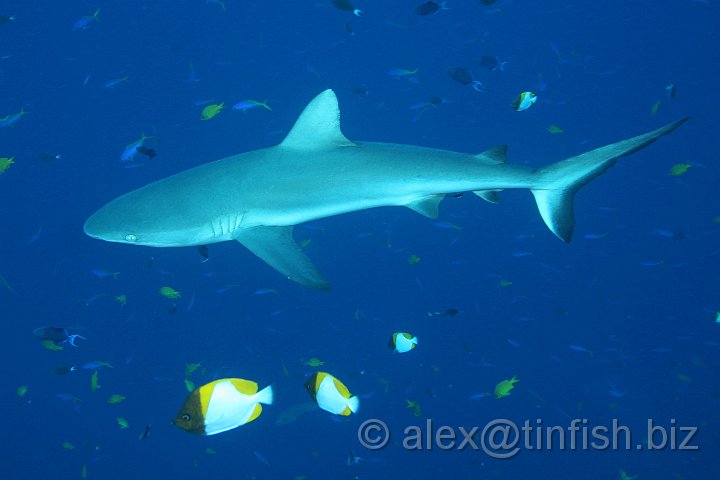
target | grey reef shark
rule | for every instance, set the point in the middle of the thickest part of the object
(256, 197)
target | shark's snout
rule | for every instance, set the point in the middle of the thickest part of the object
(91, 228)
(96, 225)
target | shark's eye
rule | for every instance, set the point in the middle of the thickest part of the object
(130, 237)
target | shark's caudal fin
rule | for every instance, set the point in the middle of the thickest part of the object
(558, 182)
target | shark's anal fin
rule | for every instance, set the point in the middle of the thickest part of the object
(275, 246)
(427, 206)
(488, 195)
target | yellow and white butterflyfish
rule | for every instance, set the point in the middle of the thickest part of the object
(524, 101)
(402, 342)
(222, 405)
(331, 394)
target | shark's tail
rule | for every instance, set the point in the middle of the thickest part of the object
(558, 182)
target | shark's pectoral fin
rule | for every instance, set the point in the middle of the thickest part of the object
(275, 245)
(427, 206)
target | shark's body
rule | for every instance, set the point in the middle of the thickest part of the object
(257, 197)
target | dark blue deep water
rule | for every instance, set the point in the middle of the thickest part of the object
(618, 325)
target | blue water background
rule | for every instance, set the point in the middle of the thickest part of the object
(638, 286)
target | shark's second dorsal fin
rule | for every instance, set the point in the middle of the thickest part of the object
(318, 126)
(493, 156)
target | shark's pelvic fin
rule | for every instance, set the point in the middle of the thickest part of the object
(275, 245)
(318, 126)
(558, 182)
(427, 206)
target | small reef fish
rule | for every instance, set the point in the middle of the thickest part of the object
(402, 72)
(331, 394)
(622, 475)
(148, 152)
(581, 349)
(169, 292)
(222, 405)
(64, 369)
(5, 19)
(95, 364)
(680, 169)
(264, 291)
(492, 63)
(145, 433)
(191, 368)
(11, 118)
(57, 335)
(290, 415)
(450, 312)
(434, 102)
(430, 8)
(524, 101)
(133, 149)
(5, 163)
(312, 362)
(104, 273)
(115, 399)
(211, 110)
(655, 108)
(347, 6)
(84, 23)
(463, 77)
(414, 406)
(504, 388)
(189, 385)
(110, 84)
(246, 105)
(460, 74)
(94, 382)
(50, 345)
(402, 342)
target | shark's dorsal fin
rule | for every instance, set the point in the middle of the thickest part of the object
(318, 126)
(493, 156)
